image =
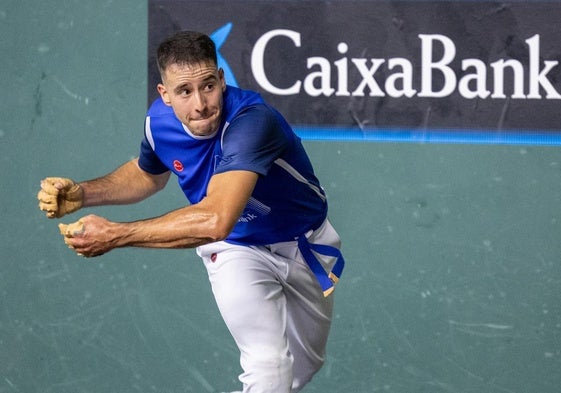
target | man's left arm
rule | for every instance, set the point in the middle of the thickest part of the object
(210, 220)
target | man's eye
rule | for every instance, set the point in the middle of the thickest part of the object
(210, 86)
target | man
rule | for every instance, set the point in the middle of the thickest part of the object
(257, 213)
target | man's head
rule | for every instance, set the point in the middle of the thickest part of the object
(185, 47)
(192, 84)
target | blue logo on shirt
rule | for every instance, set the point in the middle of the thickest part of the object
(219, 36)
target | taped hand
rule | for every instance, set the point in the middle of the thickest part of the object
(59, 196)
(90, 236)
(70, 231)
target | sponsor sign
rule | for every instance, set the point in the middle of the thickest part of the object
(424, 71)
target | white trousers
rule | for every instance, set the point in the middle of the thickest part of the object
(274, 308)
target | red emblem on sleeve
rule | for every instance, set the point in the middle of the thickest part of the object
(178, 165)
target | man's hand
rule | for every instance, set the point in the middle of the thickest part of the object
(90, 236)
(59, 196)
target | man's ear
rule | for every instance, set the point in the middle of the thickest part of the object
(164, 94)
(222, 79)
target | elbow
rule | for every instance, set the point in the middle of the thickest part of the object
(219, 229)
(219, 233)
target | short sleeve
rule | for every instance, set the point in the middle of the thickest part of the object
(148, 160)
(252, 141)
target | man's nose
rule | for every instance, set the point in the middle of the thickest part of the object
(200, 101)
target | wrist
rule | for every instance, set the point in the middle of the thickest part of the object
(122, 234)
(87, 195)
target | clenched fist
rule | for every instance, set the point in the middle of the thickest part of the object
(59, 196)
(90, 236)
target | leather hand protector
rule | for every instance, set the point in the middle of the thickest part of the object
(59, 196)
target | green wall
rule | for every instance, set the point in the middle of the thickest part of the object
(453, 256)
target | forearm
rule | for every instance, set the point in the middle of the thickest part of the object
(127, 184)
(184, 228)
(210, 220)
(187, 227)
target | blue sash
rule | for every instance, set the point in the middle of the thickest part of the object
(326, 280)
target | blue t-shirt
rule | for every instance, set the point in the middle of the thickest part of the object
(287, 200)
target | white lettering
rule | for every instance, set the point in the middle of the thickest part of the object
(323, 75)
(437, 76)
(342, 71)
(499, 77)
(367, 75)
(539, 78)
(479, 77)
(258, 57)
(428, 65)
(406, 77)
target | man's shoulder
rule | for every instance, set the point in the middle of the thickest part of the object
(236, 99)
(158, 108)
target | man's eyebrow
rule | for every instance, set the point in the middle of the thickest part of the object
(210, 78)
(188, 85)
(182, 87)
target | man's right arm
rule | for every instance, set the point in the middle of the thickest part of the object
(127, 184)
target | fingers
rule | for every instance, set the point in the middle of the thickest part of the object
(48, 203)
(72, 230)
(71, 233)
(59, 196)
(53, 185)
(48, 196)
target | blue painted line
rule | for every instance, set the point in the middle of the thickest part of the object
(459, 136)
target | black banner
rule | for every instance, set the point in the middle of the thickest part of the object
(428, 71)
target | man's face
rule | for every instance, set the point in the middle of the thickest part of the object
(194, 91)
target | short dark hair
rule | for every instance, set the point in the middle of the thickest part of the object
(185, 47)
